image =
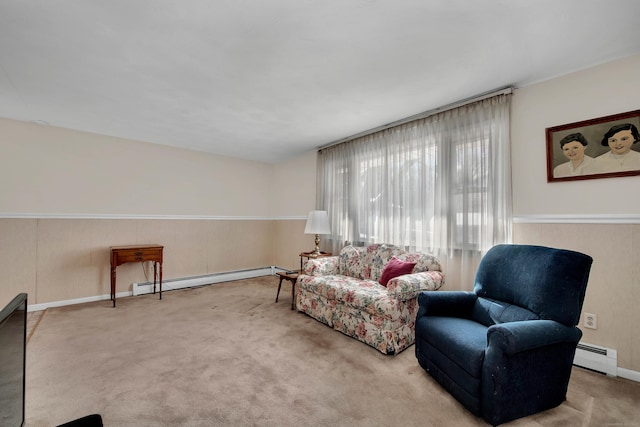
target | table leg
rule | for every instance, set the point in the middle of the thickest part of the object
(279, 286)
(293, 293)
(113, 285)
(155, 275)
(161, 280)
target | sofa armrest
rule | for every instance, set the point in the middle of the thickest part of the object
(322, 266)
(516, 337)
(408, 286)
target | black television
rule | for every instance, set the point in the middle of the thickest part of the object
(13, 345)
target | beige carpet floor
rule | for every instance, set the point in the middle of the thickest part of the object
(228, 355)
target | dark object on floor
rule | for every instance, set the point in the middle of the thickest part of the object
(13, 346)
(93, 420)
(506, 349)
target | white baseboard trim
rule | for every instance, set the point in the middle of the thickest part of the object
(168, 285)
(629, 374)
(209, 279)
(62, 303)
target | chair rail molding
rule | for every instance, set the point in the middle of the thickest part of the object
(577, 219)
(130, 216)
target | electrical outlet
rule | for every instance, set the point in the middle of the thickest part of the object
(590, 321)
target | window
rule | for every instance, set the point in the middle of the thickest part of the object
(438, 184)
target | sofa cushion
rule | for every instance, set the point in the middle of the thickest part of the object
(461, 354)
(366, 295)
(350, 262)
(377, 256)
(395, 268)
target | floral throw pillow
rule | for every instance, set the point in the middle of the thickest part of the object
(395, 268)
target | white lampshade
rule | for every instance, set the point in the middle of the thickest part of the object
(317, 223)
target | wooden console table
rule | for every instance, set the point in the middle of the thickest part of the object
(136, 253)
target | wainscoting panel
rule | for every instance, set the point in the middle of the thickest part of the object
(58, 259)
(613, 291)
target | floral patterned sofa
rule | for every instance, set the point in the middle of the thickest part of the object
(345, 293)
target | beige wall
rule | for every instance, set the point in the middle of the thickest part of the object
(293, 197)
(601, 91)
(613, 291)
(294, 187)
(66, 259)
(599, 217)
(67, 196)
(49, 170)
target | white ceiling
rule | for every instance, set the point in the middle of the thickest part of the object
(268, 80)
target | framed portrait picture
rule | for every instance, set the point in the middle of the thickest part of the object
(605, 147)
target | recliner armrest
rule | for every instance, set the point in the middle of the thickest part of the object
(515, 337)
(446, 303)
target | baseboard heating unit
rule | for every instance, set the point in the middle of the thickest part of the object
(209, 279)
(596, 358)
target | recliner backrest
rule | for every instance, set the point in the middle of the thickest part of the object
(550, 283)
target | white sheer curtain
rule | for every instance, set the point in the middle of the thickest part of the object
(440, 184)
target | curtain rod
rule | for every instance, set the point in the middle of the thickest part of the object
(503, 91)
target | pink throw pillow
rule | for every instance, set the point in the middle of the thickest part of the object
(395, 268)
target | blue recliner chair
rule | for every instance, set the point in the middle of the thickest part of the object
(506, 349)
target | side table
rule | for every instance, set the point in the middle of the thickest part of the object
(291, 276)
(312, 255)
(135, 253)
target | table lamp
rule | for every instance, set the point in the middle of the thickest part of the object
(317, 223)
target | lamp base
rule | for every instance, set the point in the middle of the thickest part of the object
(316, 251)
